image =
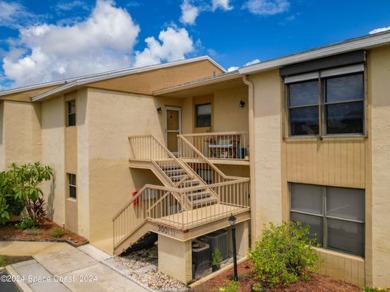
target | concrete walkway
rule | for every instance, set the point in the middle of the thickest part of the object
(62, 267)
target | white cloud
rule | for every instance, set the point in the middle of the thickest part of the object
(189, 13)
(377, 30)
(267, 7)
(11, 13)
(223, 4)
(234, 68)
(104, 41)
(174, 44)
(67, 6)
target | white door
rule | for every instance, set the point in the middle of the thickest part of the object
(172, 127)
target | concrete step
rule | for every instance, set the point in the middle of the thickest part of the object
(190, 183)
(204, 202)
(176, 178)
(198, 195)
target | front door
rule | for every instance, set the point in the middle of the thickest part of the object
(172, 127)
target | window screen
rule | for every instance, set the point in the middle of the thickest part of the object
(203, 115)
(336, 216)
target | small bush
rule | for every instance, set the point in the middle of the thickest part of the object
(32, 232)
(25, 223)
(368, 289)
(216, 258)
(230, 286)
(284, 255)
(57, 232)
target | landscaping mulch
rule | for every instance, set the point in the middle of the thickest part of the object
(44, 232)
(318, 283)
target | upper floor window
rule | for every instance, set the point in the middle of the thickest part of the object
(327, 102)
(71, 113)
(203, 115)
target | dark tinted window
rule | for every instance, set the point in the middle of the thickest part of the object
(203, 115)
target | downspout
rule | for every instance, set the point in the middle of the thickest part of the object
(251, 103)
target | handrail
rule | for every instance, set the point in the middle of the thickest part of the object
(214, 134)
(158, 155)
(203, 158)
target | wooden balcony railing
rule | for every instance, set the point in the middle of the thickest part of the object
(223, 145)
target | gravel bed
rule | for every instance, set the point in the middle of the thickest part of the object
(143, 269)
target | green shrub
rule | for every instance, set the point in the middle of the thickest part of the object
(368, 289)
(230, 286)
(32, 231)
(20, 188)
(284, 255)
(57, 232)
(216, 258)
(25, 223)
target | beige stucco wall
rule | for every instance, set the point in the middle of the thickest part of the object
(379, 88)
(175, 258)
(21, 132)
(228, 115)
(2, 153)
(53, 154)
(266, 157)
(112, 117)
(83, 164)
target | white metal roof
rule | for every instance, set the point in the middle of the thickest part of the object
(335, 49)
(75, 82)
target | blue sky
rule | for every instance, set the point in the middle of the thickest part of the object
(42, 41)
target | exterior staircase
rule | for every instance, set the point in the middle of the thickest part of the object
(186, 201)
(181, 179)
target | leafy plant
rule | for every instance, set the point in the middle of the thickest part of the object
(258, 287)
(57, 232)
(19, 188)
(368, 289)
(36, 210)
(32, 231)
(25, 223)
(216, 257)
(284, 255)
(230, 286)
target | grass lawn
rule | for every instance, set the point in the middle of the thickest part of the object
(9, 260)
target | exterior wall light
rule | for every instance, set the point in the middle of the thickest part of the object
(159, 110)
(242, 103)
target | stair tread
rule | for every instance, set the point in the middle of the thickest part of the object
(207, 200)
(197, 194)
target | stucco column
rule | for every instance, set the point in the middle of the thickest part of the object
(175, 258)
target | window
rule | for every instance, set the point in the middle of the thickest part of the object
(327, 102)
(72, 186)
(336, 215)
(203, 115)
(71, 113)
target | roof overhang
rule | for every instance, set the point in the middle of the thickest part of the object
(202, 86)
(83, 81)
(366, 42)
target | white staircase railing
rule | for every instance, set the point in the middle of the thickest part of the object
(221, 145)
(166, 205)
(200, 164)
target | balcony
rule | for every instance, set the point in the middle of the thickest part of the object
(220, 148)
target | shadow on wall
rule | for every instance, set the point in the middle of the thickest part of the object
(50, 199)
(1, 122)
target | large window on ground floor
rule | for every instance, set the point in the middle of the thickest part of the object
(336, 215)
